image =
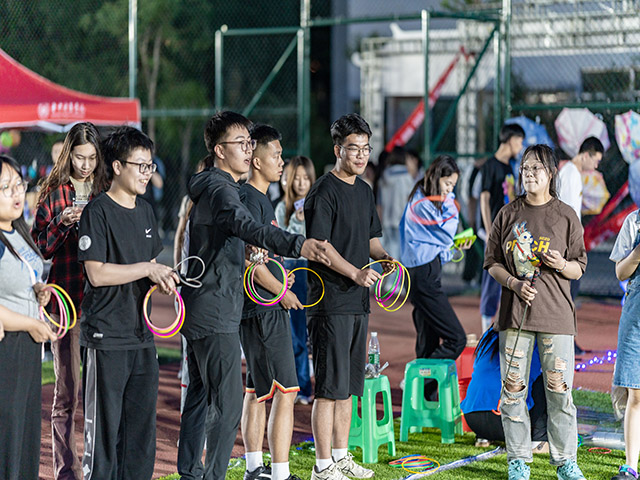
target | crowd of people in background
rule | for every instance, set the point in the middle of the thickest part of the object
(101, 243)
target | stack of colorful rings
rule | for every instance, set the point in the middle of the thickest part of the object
(395, 292)
(252, 291)
(66, 308)
(416, 464)
(172, 329)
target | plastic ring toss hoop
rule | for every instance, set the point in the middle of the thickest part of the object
(172, 329)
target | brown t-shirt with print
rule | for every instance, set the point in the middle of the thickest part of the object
(519, 232)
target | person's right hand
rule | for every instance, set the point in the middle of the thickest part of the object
(366, 277)
(315, 250)
(290, 301)
(163, 276)
(70, 215)
(524, 290)
(41, 332)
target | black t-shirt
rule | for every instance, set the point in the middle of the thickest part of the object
(110, 233)
(498, 180)
(345, 215)
(262, 212)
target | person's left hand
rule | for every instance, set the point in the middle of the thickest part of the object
(390, 266)
(466, 245)
(43, 295)
(554, 260)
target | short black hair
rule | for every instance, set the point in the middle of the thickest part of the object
(264, 134)
(219, 124)
(347, 125)
(510, 130)
(119, 144)
(591, 145)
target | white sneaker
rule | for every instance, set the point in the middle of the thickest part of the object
(349, 467)
(329, 473)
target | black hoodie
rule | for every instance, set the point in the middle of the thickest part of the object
(218, 227)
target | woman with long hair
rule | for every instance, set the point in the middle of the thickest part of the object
(300, 174)
(77, 176)
(20, 368)
(427, 227)
(534, 250)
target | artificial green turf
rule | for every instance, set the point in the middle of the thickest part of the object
(165, 355)
(593, 465)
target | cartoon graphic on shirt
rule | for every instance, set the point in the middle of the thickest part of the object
(509, 188)
(524, 259)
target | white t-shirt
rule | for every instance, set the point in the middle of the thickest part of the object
(570, 187)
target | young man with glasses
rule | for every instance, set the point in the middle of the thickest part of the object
(118, 243)
(219, 225)
(340, 208)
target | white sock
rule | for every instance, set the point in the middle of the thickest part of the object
(486, 322)
(280, 471)
(254, 460)
(338, 454)
(322, 463)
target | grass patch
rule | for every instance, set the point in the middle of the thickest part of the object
(593, 465)
(165, 356)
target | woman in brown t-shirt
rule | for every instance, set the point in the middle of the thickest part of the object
(537, 235)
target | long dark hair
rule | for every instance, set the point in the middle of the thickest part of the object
(289, 194)
(547, 157)
(19, 223)
(488, 344)
(80, 134)
(442, 166)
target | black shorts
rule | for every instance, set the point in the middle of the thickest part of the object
(339, 354)
(266, 340)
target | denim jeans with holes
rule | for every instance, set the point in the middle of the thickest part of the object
(557, 361)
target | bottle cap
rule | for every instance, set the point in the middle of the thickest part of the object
(374, 334)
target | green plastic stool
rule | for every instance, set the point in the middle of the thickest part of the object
(417, 413)
(367, 432)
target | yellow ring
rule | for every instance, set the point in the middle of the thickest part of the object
(321, 282)
(160, 330)
(384, 275)
(73, 308)
(423, 471)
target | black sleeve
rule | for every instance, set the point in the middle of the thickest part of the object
(487, 176)
(234, 219)
(375, 229)
(92, 235)
(319, 215)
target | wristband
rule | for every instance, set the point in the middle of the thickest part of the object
(509, 281)
(565, 266)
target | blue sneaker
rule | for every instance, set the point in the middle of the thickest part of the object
(625, 473)
(518, 470)
(570, 471)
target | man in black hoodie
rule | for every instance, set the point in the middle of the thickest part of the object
(219, 226)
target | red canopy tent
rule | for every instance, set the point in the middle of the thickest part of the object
(28, 100)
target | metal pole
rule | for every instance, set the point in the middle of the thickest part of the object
(427, 113)
(300, 85)
(305, 64)
(497, 91)
(218, 68)
(133, 42)
(506, 20)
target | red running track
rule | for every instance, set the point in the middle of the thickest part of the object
(597, 325)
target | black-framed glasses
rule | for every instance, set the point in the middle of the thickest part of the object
(9, 190)
(354, 151)
(245, 145)
(143, 167)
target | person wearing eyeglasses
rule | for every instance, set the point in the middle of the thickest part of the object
(220, 225)
(21, 332)
(118, 244)
(535, 248)
(340, 208)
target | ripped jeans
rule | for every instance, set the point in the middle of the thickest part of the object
(557, 361)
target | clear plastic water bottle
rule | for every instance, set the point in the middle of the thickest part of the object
(374, 353)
